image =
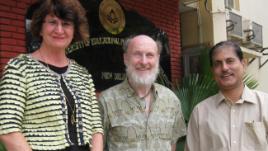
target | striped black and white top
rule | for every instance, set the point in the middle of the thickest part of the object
(32, 102)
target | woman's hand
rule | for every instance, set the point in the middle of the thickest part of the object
(15, 141)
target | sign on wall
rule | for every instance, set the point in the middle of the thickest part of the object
(102, 54)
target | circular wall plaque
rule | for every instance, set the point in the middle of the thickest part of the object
(112, 16)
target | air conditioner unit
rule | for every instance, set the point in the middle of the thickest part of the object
(252, 33)
(229, 4)
(190, 3)
(234, 26)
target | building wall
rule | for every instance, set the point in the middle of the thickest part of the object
(254, 11)
(12, 31)
(257, 12)
(213, 31)
(189, 28)
(164, 14)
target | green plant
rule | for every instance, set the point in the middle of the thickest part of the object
(163, 79)
(196, 87)
(193, 89)
(250, 81)
(2, 148)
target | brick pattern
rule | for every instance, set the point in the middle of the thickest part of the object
(165, 15)
(12, 31)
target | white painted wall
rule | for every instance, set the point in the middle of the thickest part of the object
(256, 10)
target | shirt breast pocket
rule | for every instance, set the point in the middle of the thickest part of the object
(255, 136)
(166, 129)
(124, 132)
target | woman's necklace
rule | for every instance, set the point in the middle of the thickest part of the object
(73, 119)
(66, 62)
(147, 101)
(43, 59)
(147, 94)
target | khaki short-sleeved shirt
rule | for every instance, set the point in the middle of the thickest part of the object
(127, 126)
(218, 125)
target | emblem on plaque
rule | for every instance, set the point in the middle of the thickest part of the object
(112, 16)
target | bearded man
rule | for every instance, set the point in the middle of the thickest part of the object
(139, 114)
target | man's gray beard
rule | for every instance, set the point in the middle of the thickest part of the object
(146, 80)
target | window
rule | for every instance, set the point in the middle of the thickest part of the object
(191, 61)
(232, 4)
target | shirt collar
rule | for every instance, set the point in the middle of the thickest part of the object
(130, 91)
(247, 96)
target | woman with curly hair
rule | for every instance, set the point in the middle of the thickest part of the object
(47, 101)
